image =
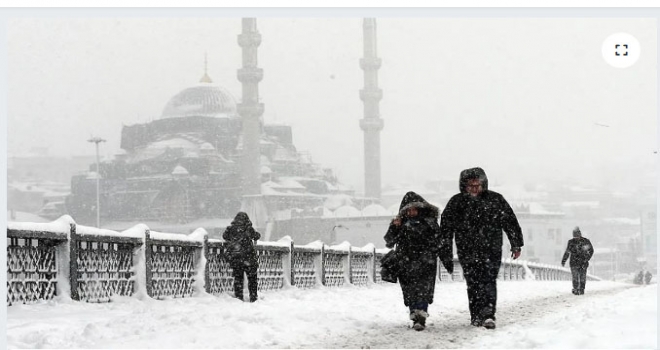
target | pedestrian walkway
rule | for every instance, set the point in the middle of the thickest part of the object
(531, 314)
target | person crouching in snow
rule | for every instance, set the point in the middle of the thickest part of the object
(416, 234)
(241, 238)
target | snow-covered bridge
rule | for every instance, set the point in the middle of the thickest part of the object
(311, 296)
(94, 265)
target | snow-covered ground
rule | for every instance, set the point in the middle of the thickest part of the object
(530, 315)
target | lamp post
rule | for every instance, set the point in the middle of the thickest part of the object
(97, 140)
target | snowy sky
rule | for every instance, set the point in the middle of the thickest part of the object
(518, 97)
(531, 314)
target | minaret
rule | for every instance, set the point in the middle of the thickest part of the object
(371, 124)
(250, 111)
(206, 78)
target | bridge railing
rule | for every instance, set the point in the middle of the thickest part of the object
(90, 264)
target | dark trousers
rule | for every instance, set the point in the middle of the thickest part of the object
(251, 271)
(481, 280)
(579, 278)
(422, 305)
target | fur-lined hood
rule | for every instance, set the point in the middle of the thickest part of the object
(472, 173)
(412, 199)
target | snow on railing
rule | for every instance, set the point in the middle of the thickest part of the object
(91, 264)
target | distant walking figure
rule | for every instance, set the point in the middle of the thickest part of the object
(647, 277)
(416, 234)
(240, 239)
(476, 217)
(580, 250)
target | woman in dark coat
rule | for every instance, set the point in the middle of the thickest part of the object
(416, 234)
(240, 239)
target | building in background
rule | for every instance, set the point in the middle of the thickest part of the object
(185, 166)
(38, 182)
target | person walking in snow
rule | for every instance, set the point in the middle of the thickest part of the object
(240, 239)
(647, 277)
(580, 250)
(416, 234)
(476, 217)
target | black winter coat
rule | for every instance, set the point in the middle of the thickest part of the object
(580, 251)
(417, 243)
(240, 239)
(477, 223)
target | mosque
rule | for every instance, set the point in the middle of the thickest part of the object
(209, 156)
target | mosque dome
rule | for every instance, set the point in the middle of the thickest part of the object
(203, 100)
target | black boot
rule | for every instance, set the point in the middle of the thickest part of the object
(419, 319)
(489, 323)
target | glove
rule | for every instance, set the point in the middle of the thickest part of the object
(449, 266)
(515, 252)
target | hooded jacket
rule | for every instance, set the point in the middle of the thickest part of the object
(477, 222)
(416, 236)
(240, 237)
(417, 241)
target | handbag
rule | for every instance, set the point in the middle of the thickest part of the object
(390, 267)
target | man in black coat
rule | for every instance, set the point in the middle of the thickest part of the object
(416, 234)
(240, 239)
(580, 251)
(476, 217)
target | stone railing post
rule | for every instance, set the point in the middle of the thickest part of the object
(321, 265)
(348, 267)
(205, 254)
(373, 264)
(73, 263)
(288, 266)
(292, 269)
(148, 252)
